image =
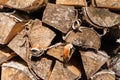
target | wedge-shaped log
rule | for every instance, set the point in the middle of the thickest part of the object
(111, 4)
(42, 67)
(61, 73)
(59, 16)
(5, 54)
(92, 62)
(24, 5)
(86, 38)
(104, 75)
(72, 2)
(101, 18)
(14, 70)
(10, 25)
(39, 35)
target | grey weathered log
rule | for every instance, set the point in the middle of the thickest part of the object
(101, 18)
(40, 35)
(58, 16)
(104, 75)
(92, 62)
(24, 5)
(79, 3)
(61, 73)
(10, 25)
(13, 70)
(114, 64)
(111, 4)
(86, 38)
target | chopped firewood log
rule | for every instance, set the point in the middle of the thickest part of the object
(101, 18)
(39, 36)
(114, 64)
(14, 70)
(61, 73)
(42, 67)
(5, 54)
(24, 5)
(58, 16)
(111, 4)
(86, 38)
(92, 62)
(57, 52)
(104, 75)
(10, 25)
(72, 2)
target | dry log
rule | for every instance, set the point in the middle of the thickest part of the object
(14, 70)
(5, 54)
(111, 4)
(56, 52)
(59, 16)
(72, 65)
(42, 67)
(40, 35)
(24, 5)
(92, 62)
(114, 64)
(101, 18)
(10, 25)
(104, 75)
(87, 38)
(61, 73)
(72, 2)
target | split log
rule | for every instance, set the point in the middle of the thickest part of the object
(10, 25)
(61, 73)
(24, 5)
(72, 2)
(114, 64)
(104, 75)
(87, 38)
(58, 16)
(111, 4)
(40, 35)
(73, 65)
(56, 52)
(5, 54)
(101, 18)
(92, 62)
(14, 70)
(42, 67)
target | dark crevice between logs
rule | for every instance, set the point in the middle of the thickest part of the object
(38, 14)
(77, 57)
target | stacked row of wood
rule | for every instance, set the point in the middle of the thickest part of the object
(60, 39)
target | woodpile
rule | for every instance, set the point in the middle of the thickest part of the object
(60, 39)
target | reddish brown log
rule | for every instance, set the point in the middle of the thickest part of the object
(40, 35)
(10, 25)
(24, 5)
(72, 2)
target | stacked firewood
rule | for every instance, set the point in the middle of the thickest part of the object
(60, 39)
